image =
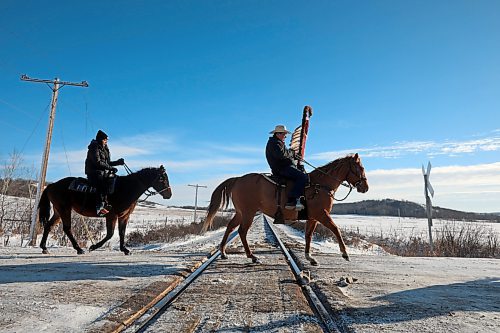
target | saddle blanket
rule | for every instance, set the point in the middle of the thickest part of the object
(81, 185)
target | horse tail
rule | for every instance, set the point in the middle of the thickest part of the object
(44, 207)
(220, 197)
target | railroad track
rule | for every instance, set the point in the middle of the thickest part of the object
(314, 301)
(139, 322)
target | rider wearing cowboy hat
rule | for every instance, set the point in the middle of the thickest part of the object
(283, 163)
(98, 168)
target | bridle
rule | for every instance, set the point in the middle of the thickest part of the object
(148, 192)
(345, 183)
(358, 174)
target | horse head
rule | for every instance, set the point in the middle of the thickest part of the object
(161, 183)
(356, 174)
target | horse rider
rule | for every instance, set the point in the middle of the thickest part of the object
(283, 163)
(99, 169)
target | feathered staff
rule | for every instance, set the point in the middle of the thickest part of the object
(299, 136)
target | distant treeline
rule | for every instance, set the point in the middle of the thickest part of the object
(390, 207)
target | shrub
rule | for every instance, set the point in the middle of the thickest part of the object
(451, 240)
(171, 233)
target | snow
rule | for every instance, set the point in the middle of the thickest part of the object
(34, 287)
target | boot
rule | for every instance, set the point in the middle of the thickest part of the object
(101, 207)
(101, 210)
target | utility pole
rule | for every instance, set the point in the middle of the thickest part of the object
(196, 199)
(54, 85)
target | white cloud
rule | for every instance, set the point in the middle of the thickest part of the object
(471, 188)
(399, 149)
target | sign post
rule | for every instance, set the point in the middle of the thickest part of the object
(196, 199)
(428, 204)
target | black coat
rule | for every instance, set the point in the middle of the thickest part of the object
(277, 155)
(98, 159)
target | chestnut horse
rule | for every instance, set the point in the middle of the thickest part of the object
(123, 200)
(252, 192)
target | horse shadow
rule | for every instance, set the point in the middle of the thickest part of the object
(78, 271)
(432, 301)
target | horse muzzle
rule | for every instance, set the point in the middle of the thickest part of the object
(167, 194)
(362, 186)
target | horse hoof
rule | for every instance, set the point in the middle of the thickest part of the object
(223, 256)
(256, 260)
(45, 251)
(92, 248)
(346, 257)
(313, 262)
(127, 253)
(80, 251)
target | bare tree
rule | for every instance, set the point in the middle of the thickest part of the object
(7, 174)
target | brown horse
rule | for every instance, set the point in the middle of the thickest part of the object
(127, 191)
(252, 192)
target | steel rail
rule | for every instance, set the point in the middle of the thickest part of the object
(142, 322)
(314, 300)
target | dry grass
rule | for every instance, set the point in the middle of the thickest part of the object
(469, 240)
(170, 233)
(84, 229)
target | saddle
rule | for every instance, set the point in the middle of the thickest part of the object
(82, 185)
(280, 184)
(274, 179)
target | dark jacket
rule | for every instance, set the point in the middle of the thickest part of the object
(277, 155)
(98, 159)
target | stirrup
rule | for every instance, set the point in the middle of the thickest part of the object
(299, 205)
(102, 212)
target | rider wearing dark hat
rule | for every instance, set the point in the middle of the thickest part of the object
(283, 163)
(99, 168)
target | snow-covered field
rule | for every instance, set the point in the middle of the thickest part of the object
(64, 292)
(34, 298)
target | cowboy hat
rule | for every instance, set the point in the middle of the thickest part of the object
(280, 129)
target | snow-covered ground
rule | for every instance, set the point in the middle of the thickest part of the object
(34, 288)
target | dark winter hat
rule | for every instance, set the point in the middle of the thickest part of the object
(101, 136)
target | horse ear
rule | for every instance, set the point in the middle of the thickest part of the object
(356, 157)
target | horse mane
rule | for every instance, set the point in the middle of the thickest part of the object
(333, 165)
(144, 173)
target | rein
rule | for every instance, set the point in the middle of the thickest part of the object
(148, 191)
(342, 182)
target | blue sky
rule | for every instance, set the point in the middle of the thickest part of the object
(197, 86)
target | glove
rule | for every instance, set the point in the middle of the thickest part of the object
(114, 170)
(120, 161)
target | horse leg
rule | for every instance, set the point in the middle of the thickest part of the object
(242, 231)
(66, 219)
(122, 226)
(310, 227)
(327, 221)
(235, 221)
(110, 229)
(46, 230)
